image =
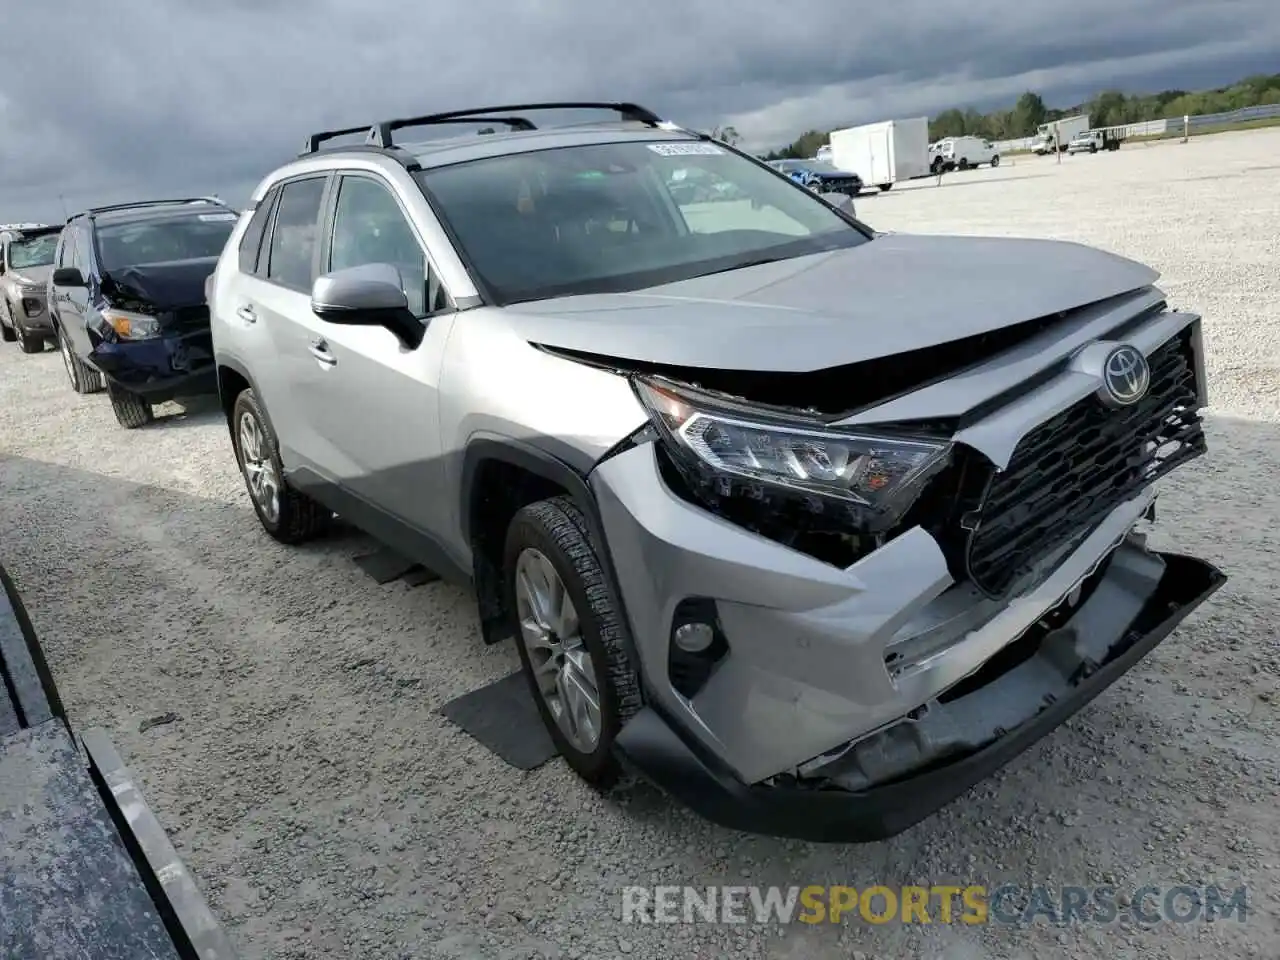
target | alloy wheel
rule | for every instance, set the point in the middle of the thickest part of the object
(552, 637)
(259, 469)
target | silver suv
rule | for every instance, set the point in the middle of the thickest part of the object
(814, 527)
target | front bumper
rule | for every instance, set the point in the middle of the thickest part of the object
(1138, 600)
(30, 313)
(175, 365)
(849, 187)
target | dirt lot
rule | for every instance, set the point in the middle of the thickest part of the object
(327, 811)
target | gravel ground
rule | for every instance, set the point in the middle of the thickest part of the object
(326, 811)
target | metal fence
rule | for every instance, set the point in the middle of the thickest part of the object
(1170, 127)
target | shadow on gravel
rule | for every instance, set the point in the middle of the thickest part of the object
(308, 777)
(191, 412)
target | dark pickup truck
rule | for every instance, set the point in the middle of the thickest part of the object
(86, 871)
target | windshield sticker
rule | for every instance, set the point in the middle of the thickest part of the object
(685, 149)
(214, 217)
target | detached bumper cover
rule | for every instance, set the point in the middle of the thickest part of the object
(1103, 647)
(175, 365)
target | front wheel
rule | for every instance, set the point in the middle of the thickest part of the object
(84, 379)
(886, 187)
(287, 515)
(30, 342)
(7, 333)
(131, 410)
(572, 641)
(995, 161)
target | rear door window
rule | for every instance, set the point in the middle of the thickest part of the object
(294, 233)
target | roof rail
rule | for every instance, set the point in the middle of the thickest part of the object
(314, 141)
(152, 203)
(380, 133)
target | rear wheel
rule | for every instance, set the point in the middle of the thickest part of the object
(84, 379)
(7, 333)
(886, 187)
(964, 163)
(287, 515)
(572, 641)
(131, 410)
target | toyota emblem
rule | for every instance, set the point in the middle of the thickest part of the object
(1125, 376)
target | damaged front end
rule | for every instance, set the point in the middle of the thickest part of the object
(898, 606)
(152, 332)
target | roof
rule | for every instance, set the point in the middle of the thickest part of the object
(30, 233)
(153, 210)
(440, 153)
(501, 131)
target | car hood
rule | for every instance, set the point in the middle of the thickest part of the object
(35, 276)
(159, 286)
(894, 294)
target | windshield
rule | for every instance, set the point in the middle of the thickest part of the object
(159, 241)
(624, 216)
(36, 252)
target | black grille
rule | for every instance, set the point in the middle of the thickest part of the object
(1071, 471)
(190, 319)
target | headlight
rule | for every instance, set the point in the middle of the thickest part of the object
(132, 326)
(876, 476)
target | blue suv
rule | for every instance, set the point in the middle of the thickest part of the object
(127, 301)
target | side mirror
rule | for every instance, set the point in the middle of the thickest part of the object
(68, 277)
(370, 295)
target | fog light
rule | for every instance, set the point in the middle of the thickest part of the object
(694, 637)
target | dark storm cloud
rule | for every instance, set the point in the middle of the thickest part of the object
(197, 96)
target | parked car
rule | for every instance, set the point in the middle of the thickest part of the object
(812, 526)
(820, 176)
(127, 297)
(26, 260)
(962, 153)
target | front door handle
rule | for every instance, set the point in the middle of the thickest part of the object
(247, 314)
(320, 350)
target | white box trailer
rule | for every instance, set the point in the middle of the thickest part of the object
(1065, 129)
(883, 153)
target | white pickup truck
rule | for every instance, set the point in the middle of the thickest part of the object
(1091, 141)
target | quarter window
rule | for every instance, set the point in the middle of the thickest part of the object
(251, 242)
(293, 238)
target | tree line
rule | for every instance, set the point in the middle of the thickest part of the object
(1109, 108)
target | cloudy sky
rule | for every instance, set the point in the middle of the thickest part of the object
(102, 102)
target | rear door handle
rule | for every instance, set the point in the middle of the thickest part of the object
(320, 350)
(247, 314)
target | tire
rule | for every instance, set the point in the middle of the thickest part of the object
(1093, 148)
(31, 342)
(995, 161)
(7, 333)
(555, 531)
(84, 379)
(294, 517)
(964, 163)
(131, 410)
(886, 187)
